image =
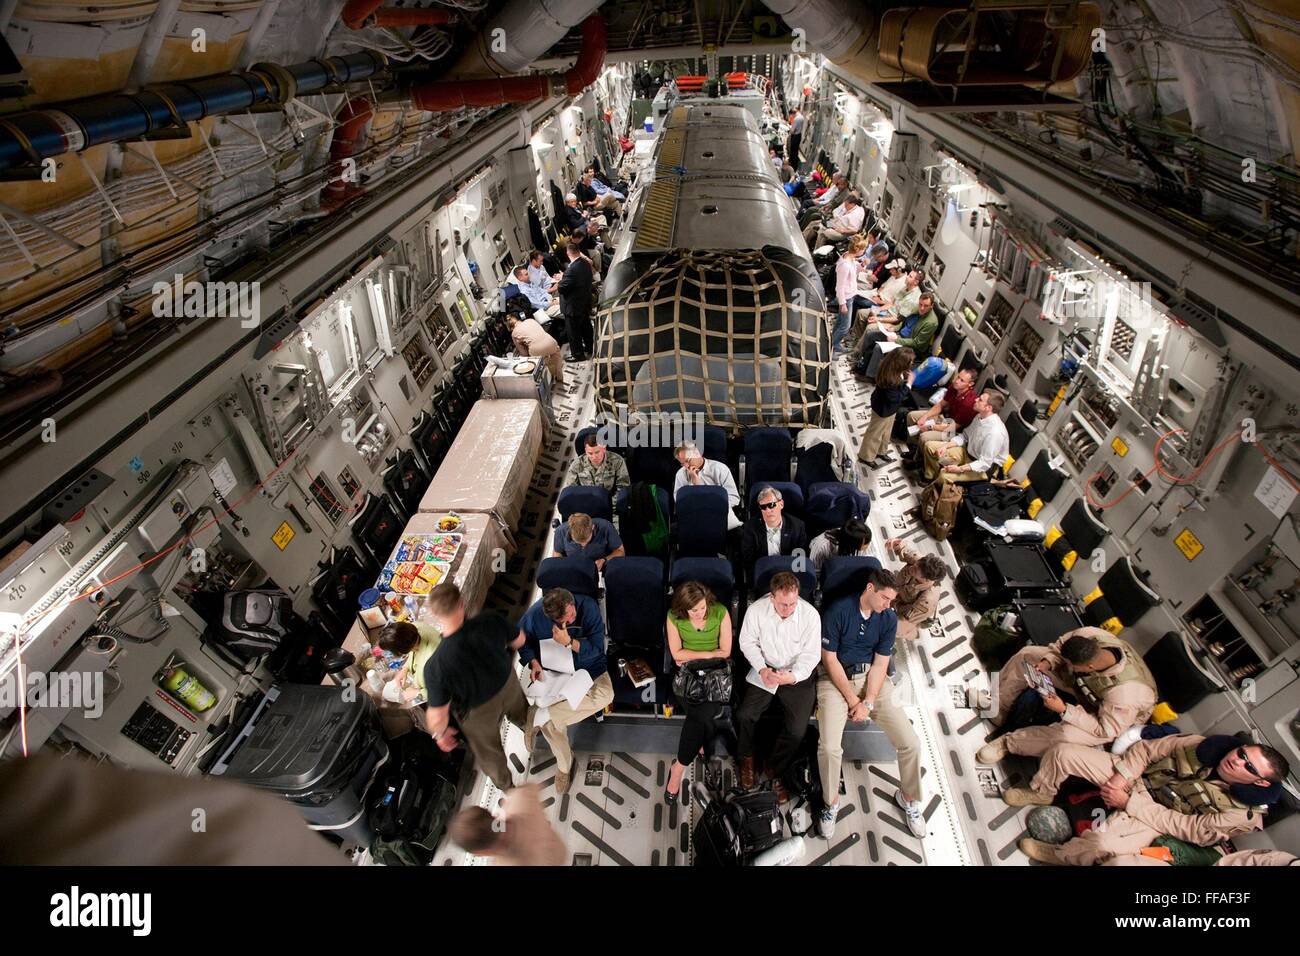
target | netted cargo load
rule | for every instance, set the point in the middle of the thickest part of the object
(738, 336)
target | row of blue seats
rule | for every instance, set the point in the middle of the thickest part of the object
(699, 517)
(636, 601)
(762, 455)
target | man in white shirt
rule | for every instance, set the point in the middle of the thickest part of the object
(816, 210)
(781, 639)
(698, 470)
(838, 185)
(894, 285)
(538, 275)
(846, 221)
(797, 122)
(979, 447)
(537, 295)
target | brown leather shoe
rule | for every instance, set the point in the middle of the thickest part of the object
(782, 794)
(561, 782)
(747, 773)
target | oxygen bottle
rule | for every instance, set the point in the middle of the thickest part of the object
(186, 688)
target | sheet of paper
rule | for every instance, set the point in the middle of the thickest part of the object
(1275, 492)
(753, 678)
(886, 347)
(223, 478)
(542, 693)
(576, 687)
(556, 658)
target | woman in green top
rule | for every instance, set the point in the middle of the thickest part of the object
(415, 642)
(699, 629)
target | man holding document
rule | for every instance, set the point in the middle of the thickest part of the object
(781, 639)
(563, 645)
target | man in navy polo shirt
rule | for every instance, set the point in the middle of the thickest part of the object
(586, 537)
(574, 622)
(858, 635)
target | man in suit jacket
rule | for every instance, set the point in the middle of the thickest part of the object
(575, 302)
(770, 533)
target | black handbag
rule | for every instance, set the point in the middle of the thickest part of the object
(703, 682)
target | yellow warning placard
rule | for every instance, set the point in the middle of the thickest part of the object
(1119, 446)
(284, 534)
(1189, 544)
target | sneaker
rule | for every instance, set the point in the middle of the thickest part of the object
(993, 751)
(1026, 797)
(826, 822)
(912, 810)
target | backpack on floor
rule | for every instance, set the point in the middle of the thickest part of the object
(940, 503)
(993, 642)
(411, 800)
(736, 827)
(802, 778)
(974, 587)
(254, 623)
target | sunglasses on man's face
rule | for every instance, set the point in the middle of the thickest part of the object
(769, 506)
(1250, 768)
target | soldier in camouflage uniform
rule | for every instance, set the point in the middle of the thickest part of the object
(599, 466)
(1201, 790)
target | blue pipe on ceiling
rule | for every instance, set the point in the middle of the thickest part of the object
(55, 129)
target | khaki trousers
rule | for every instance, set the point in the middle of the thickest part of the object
(555, 365)
(555, 730)
(833, 716)
(935, 460)
(1118, 834)
(931, 435)
(482, 729)
(906, 631)
(876, 440)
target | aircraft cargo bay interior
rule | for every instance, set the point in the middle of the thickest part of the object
(650, 433)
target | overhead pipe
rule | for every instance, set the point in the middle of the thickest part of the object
(849, 35)
(370, 13)
(29, 137)
(529, 28)
(442, 95)
(349, 138)
(27, 391)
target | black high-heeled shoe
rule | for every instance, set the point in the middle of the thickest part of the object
(671, 798)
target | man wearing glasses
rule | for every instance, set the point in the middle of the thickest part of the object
(771, 532)
(573, 622)
(1201, 790)
(781, 639)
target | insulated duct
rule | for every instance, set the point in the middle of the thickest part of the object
(369, 13)
(441, 95)
(29, 137)
(520, 33)
(915, 42)
(350, 128)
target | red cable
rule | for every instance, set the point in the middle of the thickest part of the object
(1184, 479)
